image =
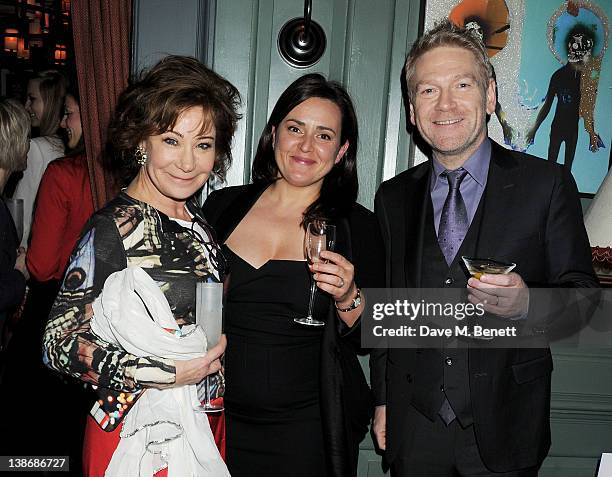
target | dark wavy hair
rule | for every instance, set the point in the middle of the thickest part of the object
(154, 100)
(340, 186)
(79, 149)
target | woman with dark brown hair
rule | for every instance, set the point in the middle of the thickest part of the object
(297, 403)
(172, 128)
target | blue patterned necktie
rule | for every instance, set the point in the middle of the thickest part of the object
(454, 219)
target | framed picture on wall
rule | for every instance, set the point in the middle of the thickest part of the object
(554, 77)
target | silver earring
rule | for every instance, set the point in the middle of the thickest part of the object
(140, 155)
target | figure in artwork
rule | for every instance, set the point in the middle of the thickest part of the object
(578, 37)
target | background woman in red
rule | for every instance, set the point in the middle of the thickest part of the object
(64, 202)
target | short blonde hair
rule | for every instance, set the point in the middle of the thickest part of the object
(14, 135)
(445, 33)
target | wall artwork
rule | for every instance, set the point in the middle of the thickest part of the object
(554, 77)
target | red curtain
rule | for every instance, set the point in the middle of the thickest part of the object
(101, 30)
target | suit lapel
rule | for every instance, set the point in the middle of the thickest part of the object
(500, 197)
(416, 202)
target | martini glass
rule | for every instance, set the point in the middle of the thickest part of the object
(477, 267)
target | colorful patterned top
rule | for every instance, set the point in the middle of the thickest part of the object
(127, 233)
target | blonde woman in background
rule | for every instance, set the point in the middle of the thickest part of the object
(45, 105)
(14, 130)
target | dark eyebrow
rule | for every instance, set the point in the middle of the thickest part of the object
(325, 128)
(319, 128)
(182, 137)
(301, 123)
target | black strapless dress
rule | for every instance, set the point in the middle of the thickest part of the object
(273, 416)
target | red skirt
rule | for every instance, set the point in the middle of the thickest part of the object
(99, 445)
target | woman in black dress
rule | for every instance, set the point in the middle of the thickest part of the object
(297, 403)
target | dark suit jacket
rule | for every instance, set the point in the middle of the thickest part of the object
(531, 216)
(346, 402)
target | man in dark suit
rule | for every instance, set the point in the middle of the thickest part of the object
(471, 412)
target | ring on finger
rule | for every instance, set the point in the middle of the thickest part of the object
(341, 282)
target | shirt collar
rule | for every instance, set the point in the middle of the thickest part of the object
(477, 164)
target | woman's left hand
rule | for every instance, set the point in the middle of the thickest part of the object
(193, 371)
(336, 277)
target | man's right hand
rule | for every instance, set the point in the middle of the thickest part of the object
(379, 426)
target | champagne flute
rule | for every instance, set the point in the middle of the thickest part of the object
(209, 316)
(320, 236)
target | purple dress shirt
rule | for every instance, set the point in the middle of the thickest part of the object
(471, 187)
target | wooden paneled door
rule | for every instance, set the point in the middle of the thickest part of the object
(366, 46)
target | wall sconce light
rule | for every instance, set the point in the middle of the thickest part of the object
(45, 23)
(10, 39)
(34, 24)
(21, 49)
(60, 54)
